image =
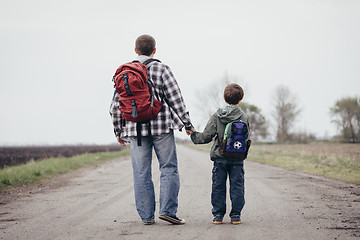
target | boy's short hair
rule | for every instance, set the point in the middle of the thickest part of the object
(145, 45)
(233, 93)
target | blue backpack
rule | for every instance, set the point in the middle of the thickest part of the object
(235, 143)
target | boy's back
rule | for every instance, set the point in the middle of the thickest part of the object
(216, 127)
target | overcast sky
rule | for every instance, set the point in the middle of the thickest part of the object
(57, 58)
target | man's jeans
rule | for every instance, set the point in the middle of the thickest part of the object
(141, 157)
(220, 172)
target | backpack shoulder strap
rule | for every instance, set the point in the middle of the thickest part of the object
(149, 80)
(151, 60)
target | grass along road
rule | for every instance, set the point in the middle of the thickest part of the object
(331, 160)
(33, 172)
(336, 161)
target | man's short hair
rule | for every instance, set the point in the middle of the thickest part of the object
(145, 45)
(233, 93)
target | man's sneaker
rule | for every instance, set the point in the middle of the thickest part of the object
(218, 220)
(235, 220)
(172, 219)
(150, 222)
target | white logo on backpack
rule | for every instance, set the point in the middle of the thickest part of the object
(237, 145)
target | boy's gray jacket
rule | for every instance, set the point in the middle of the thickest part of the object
(216, 127)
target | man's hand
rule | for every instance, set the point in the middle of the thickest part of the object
(188, 132)
(121, 142)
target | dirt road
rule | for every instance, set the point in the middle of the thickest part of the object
(98, 203)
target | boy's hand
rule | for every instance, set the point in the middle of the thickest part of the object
(188, 132)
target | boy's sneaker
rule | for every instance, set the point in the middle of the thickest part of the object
(150, 222)
(218, 220)
(172, 219)
(235, 220)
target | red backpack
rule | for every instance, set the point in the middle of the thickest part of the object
(137, 102)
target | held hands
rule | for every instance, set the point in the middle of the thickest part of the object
(188, 132)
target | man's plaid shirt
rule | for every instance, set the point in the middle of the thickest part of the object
(170, 117)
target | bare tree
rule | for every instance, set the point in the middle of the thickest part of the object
(346, 114)
(210, 97)
(285, 113)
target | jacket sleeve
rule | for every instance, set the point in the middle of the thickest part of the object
(174, 98)
(208, 134)
(115, 114)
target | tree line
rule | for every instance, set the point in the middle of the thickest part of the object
(345, 114)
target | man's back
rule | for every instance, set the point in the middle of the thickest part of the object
(173, 114)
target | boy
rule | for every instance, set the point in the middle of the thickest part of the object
(224, 166)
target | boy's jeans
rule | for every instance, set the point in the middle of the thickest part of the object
(141, 157)
(223, 168)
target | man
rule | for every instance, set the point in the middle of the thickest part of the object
(172, 116)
